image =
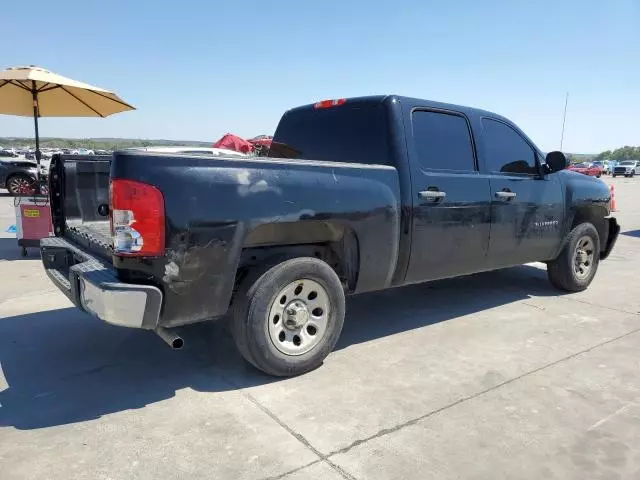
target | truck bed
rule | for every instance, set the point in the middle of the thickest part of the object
(217, 209)
(83, 189)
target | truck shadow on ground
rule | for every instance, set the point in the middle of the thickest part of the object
(632, 233)
(63, 366)
(9, 250)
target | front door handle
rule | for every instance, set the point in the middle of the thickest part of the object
(432, 194)
(505, 194)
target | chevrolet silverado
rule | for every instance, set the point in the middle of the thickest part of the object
(357, 195)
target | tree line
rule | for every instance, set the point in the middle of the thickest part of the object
(622, 153)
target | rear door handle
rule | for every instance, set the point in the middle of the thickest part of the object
(432, 194)
(505, 194)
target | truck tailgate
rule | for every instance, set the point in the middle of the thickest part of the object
(79, 191)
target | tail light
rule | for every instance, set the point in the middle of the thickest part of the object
(137, 218)
(329, 103)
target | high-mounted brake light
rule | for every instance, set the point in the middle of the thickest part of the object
(137, 218)
(329, 103)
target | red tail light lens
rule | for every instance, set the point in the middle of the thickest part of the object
(137, 218)
(329, 103)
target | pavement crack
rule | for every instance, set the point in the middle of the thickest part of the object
(591, 304)
(413, 421)
(275, 418)
(339, 469)
(321, 456)
(282, 475)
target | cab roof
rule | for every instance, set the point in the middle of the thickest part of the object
(410, 102)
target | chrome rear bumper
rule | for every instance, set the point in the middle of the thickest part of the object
(94, 287)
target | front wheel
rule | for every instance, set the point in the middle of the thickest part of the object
(288, 318)
(613, 175)
(578, 261)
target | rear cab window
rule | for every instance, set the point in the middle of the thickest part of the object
(355, 133)
(443, 141)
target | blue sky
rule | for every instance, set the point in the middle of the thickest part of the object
(198, 69)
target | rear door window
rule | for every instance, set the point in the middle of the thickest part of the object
(344, 133)
(443, 141)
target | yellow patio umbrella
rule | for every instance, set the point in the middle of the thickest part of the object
(33, 91)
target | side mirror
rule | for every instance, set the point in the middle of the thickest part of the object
(556, 161)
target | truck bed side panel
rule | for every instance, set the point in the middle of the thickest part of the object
(217, 207)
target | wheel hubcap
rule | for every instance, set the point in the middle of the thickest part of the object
(584, 256)
(298, 316)
(21, 185)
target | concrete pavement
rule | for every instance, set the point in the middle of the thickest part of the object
(491, 376)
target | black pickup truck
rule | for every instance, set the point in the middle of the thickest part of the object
(356, 195)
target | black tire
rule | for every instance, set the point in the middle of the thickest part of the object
(252, 304)
(633, 174)
(561, 271)
(16, 183)
(613, 176)
(598, 175)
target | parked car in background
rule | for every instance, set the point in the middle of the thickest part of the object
(604, 166)
(82, 151)
(586, 169)
(7, 153)
(18, 176)
(628, 168)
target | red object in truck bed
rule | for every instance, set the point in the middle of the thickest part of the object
(233, 142)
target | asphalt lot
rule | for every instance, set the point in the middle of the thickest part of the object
(485, 377)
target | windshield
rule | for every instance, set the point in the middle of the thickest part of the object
(627, 163)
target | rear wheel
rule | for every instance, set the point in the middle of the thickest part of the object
(288, 317)
(20, 185)
(577, 264)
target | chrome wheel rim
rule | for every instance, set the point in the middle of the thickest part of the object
(20, 185)
(298, 316)
(583, 257)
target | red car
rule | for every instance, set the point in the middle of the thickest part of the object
(586, 169)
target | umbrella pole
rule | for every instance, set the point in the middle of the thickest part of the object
(36, 114)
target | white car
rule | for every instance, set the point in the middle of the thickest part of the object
(205, 151)
(628, 168)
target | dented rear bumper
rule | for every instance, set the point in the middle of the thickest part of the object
(94, 287)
